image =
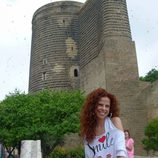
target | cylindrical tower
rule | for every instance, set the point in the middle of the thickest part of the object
(54, 50)
(121, 69)
(118, 47)
(115, 18)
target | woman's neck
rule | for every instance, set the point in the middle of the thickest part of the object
(127, 138)
(100, 123)
(100, 128)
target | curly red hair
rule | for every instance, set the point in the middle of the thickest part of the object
(88, 119)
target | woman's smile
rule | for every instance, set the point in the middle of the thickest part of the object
(103, 108)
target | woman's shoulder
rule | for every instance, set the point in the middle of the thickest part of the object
(117, 122)
(131, 140)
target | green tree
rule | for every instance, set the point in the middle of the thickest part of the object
(151, 76)
(45, 115)
(151, 133)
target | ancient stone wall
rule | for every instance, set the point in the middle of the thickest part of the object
(148, 98)
(115, 18)
(110, 31)
(90, 25)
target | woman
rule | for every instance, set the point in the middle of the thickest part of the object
(129, 144)
(101, 127)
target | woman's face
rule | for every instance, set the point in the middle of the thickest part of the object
(126, 135)
(102, 108)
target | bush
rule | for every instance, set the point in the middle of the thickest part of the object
(151, 132)
(151, 76)
(61, 152)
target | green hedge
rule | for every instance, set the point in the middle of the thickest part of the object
(61, 152)
(150, 142)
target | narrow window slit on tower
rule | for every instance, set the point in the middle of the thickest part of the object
(44, 61)
(44, 76)
(75, 73)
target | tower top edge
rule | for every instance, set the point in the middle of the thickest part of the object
(58, 4)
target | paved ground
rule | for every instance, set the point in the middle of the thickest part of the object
(146, 157)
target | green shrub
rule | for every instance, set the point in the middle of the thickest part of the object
(61, 152)
(151, 132)
(151, 76)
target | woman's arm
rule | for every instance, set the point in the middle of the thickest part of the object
(117, 122)
(120, 145)
(130, 145)
(129, 148)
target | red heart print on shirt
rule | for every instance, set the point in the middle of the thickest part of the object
(102, 139)
(108, 156)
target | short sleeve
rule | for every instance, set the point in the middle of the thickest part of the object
(131, 141)
(120, 144)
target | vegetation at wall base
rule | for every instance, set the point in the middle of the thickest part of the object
(61, 152)
(150, 142)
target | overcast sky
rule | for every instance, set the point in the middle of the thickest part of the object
(15, 39)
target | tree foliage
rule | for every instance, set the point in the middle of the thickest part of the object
(151, 133)
(151, 76)
(45, 115)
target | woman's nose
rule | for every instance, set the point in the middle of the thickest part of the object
(104, 107)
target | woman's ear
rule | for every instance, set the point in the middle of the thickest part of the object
(110, 114)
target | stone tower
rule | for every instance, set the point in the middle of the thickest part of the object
(111, 58)
(86, 46)
(54, 52)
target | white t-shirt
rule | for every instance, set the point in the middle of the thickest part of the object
(108, 145)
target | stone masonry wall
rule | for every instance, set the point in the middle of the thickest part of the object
(115, 18)
(89, 20)
(54, 53)
(113, 39)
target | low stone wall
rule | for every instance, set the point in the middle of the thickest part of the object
(31, 149)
